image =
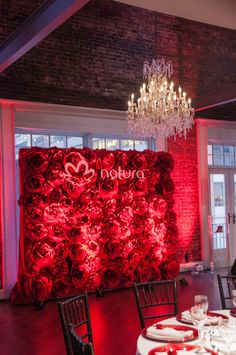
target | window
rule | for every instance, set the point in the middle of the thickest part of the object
(24, 140)
(116, 143)
(221, 155)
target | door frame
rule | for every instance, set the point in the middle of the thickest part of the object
(209, 131)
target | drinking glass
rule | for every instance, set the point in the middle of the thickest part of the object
(202, 302)
(199, 317)
(233, 295)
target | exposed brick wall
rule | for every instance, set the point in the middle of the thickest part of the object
(95, 59)
(185, 176)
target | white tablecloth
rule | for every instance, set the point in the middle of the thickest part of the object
(145, 345)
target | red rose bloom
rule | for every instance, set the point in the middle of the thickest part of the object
(34, 182)
(73, 186)
(108, 187)
(127, 197)
(110, 277)
(143, 273)
(138, 162)
(157, 206)
(126, 215)
(77, 251)
(139, 186)
(80, 274)
(93, 282)
(54, 213)
(59, 269)
(164, 163)
(171, 270)
(38, 288)
(62, 288)
(40, 253)
(36, 231)
(61, 250)
(109, 206)
(108, 161)
(140, 206)
(57, 232)
(36, 159)
(111, 248)
(74, 157)
(121, 159)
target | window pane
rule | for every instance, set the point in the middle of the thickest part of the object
(229, 155)
(77, 142)
(209, 149)
(127, 144)
(22, 140)
(98, 143)
(39, 140)
(58, 141)
(112, 144)
(140, 145)
(218, 154)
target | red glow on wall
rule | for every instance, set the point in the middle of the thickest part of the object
(185, 177)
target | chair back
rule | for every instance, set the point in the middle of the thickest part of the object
(157, 299)
(79, 347)
(226, 284)
(75, 311)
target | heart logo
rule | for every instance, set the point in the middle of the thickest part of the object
(82, 167)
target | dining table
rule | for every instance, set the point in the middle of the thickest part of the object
(218, 338)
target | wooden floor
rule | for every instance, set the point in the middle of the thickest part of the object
(115, 323)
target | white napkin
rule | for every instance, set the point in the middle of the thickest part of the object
(186, 315)
(186, 352)
(168, 334)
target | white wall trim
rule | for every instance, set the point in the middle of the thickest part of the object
(8, 199)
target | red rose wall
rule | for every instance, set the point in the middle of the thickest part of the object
(93, 219)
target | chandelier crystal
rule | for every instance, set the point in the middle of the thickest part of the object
(159, 111)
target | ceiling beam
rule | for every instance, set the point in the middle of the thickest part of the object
(40, 24)
(217, 98)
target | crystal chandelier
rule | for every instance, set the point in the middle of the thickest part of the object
(159, 111)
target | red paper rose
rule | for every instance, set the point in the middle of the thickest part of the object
(121, 159)
(61, 250)
(164, 163)
(80, 274)
(111, 248)
(77, 251)
(140, 206)
(108, 187)
(93, 282)
(36, 231)
(59, 269)
(126, 215)
(38, 288)
(37, 159)
(57, 232)
(110, 277)
(54, 213)
(157, 206)
(40, 253)
(144, 271)
(62, 288)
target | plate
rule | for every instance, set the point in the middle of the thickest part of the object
(233, 312)
(181, 319)
(185, 328)
(172, 349)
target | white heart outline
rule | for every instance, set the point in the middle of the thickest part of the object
(77, 168)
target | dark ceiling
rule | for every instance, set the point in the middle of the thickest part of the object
(225, 112)
(220, 108)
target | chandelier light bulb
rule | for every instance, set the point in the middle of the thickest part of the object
(159, 112)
